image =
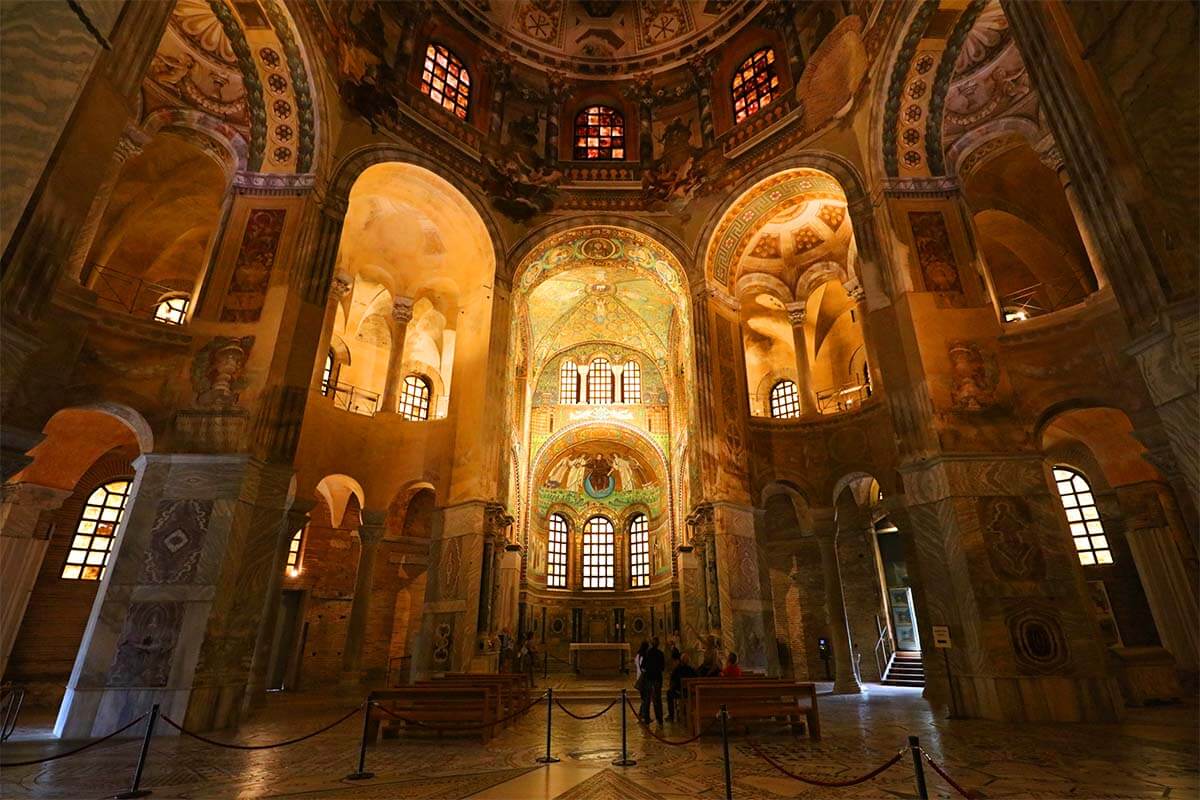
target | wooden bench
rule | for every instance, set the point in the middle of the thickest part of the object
(753, 699)
(443, 704)
(512, 689)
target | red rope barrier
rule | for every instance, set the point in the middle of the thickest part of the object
(122, 729)
(665, 740)
(466, 726)
(230, 746)
(831, 784)
(953, 784)
(598, 714)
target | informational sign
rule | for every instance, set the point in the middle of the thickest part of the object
(941, 637)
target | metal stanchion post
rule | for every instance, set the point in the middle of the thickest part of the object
(548, 759)
(914, 744)
(545, 665)
(725, 746)
(624, 760)
(135, 790)
(361, 774)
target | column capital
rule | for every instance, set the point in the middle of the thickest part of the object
(372, 526)
(133, 140)
(711, 291)
(341, 285)
(402, 310)
(797, 313)
(297, 515)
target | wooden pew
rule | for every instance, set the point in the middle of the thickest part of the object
(753, 699)
(512, 689)
(440, 704)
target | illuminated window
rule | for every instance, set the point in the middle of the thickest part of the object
(785, 401)
(556, 558)
(631, 383)
(1082, 515)
(599, 133)
(600, 382)
(414, 400)
(293, 558)
(172, 309)
(327, 373)
(568, 382)
(639, 551)
(755, 84)
(94, 534)
(446, 80)
(598, 554)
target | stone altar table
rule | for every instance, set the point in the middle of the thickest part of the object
(599, 656)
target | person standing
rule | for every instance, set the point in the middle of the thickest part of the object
(683, 670)
(653, 665)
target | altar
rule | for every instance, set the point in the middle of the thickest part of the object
(598, 657)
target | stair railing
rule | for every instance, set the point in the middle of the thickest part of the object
(884, 647)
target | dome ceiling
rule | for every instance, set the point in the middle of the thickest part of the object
(603, 36)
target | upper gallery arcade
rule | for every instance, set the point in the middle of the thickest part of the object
(340, 337)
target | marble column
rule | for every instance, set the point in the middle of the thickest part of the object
(131, 143)
(797, 315)
(746, 613)
(509, 587)
(23, 544)
(171, 623)
(844, 681)
(501, 74)
(401, 315)
(295, 519)
(702, 69)
(1052, 158)
(370, 533)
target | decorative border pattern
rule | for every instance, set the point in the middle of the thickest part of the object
(304, 103)
(254, 88)
(941, 85)
(891, 113)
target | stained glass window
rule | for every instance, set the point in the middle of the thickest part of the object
(414, 400)
(785, 400)
(446, 80)
(600, 381)
(1091, 544)
(94, 534)
(639, 551)
(293, 556)
(556, 558)
(599, 134)
(598, 554)
(755, 84)
(568, 382)
(631, 383)
(172, 309)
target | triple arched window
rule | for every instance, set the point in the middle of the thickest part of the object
(414, 399)
(755, 85)
(785, 400)
(599, 134)
(556, 553)
(445, 80)
(600, 385)
(1083, 518)
(94, 533)
(598, 553)
(639, 551)
(600, 382)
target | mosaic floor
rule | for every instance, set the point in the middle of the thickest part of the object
(1153, 754)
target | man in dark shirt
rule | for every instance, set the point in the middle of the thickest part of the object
(653, 664)
(683, 669)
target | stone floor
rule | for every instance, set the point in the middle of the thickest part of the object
(1153, 753)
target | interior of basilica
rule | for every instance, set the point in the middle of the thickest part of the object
(417, 362)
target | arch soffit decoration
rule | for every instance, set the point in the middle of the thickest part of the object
(220, 140)
(591, 431)
(352, 165)
(732, 224)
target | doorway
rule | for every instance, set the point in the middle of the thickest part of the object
(280, 672)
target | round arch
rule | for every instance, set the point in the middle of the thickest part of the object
(571, 435)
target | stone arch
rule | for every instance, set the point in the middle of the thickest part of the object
(336, 490)
(217, 138)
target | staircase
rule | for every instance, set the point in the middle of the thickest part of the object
(904, 669)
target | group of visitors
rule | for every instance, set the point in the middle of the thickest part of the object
(519, 656)
(651, 664)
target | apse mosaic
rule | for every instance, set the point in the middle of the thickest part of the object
(598, 473)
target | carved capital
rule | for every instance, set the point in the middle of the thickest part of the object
(797, 313)
(402, 310)
(340, 286)
(133, 140)
(496, 521)
(372, 527)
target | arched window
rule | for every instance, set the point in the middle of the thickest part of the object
(94, 534)
(755, 85)
(599, 134)
(568, 382)
(785, 400)
(1083, 517)
(293, 557)
(639, 551)
(556, 553)
(446, 80)
(327, 373)
(600, 381)
(414, 400)
(631, 383)
(172, 308)
(598, 554)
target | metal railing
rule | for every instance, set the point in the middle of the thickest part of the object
(884, 647)
(355, 400)
(842, 398)
(1040, 298)
(130, 293)
(11, 698)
